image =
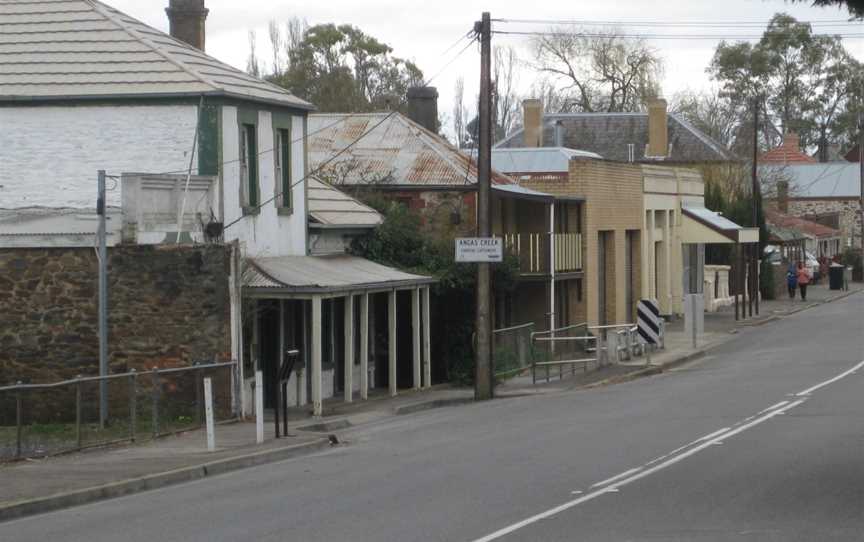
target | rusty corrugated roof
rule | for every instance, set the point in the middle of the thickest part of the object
(398, 151)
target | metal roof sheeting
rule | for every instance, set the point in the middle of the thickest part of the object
(324, 274)
(822, 180)
(398, 151)
(87, 49)
(331, 207)
(533, 160)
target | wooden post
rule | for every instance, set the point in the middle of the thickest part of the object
(349, 348)
(415, 338)
(364, 346)
(391, 358)
(317, 405)
(427, 341)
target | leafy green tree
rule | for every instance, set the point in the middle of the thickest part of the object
(805, 82)
(855, 7)
(341, 68)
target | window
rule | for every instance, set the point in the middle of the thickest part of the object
(249, 164)
(282, 160)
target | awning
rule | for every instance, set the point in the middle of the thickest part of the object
(322, 275)
(516, 191)
(701, 225)
(332, 208)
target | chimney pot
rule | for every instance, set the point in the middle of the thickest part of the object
(532, 115)
(187, 21)
(658, 136)
(423, 107)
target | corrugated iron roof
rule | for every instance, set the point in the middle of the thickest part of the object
(331, 207)
(85, 49)
(800, 224)
(323, 274)
(398, 151)
(822, 180)
(536, 160)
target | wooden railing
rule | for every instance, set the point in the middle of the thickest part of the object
(532, 250)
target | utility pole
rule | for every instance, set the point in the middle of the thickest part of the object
(103, 303)
(484, 372)
(861, 177)
(756, 197)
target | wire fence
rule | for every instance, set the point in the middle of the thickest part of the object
(39, 420)
(512, 350)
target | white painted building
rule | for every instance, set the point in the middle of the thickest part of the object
(190, 144)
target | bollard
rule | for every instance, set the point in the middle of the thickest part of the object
(19, 420)
(133, 404)
(78, 412)
(259, 407)
(208, 414)
(156, 393)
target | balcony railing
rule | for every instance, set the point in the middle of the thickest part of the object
(532, 250)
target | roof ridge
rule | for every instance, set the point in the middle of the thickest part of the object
(105, 11)
(411, 125)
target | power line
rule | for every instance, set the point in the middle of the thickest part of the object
(662, 23)
(657, 36)
(471, 41)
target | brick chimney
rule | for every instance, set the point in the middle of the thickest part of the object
(792, 142)
(658, 137)
(423, 107)
(186, 18)
(532, 115)
(783, 196)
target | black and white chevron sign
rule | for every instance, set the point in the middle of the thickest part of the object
(648, 320)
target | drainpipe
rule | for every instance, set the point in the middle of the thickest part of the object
(552, 271)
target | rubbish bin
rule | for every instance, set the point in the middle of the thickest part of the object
(835, 276)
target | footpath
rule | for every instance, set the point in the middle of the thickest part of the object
(43, 485)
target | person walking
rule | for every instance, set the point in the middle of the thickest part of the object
(791, 280)
(803, 277)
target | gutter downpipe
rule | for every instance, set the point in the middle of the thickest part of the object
(552, 273)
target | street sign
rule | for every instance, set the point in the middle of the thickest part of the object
(648, 320)
(479, 249)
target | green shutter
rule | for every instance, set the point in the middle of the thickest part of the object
(208, 140)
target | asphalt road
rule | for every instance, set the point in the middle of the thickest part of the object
(761, 440)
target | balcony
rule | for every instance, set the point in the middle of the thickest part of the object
(532, 250)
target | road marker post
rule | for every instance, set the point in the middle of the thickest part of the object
(208, 414)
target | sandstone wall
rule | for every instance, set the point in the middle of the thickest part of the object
(168, 306)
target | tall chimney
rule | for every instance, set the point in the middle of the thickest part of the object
(783, 196)
(658, 138)
(186, 18)
(532, 115)
(559, 133)
(423, 107)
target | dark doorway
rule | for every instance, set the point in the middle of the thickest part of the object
(268, 337)
(404, 345)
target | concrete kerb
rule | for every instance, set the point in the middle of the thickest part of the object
(60, 501)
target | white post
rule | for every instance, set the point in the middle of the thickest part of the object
(694, 317)
(349, 348)
(427, 344)
(208, 414)
(415, 337)
(364, 346)
(317, 406)
(259, 407)
(391, 358)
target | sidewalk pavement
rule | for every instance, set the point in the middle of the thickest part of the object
(37, 486)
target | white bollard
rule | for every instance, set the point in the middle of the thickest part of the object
(259, 407)
(208, 413)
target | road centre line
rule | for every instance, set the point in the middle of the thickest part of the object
(697, 441)
(808, 391)
(778, 405)
(638, 476)
(617, 476)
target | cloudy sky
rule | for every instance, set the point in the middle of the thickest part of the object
(422, 31)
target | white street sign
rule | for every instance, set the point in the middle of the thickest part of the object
(479, 249)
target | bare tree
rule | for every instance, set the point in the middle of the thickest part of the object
(252, 66)
(504, 82)
(598, 71)
(277, 42)
(460, 115)
(295, 31)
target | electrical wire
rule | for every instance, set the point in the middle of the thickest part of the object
(661, 23)
(655, 36)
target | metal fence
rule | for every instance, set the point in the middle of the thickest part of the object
(38, 420)
(565, 348)
(512, 350)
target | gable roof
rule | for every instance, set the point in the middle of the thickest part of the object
(821, 180)
(397, 151)
(329, 207)
(608, 134)
(801, 225)
(789, 152)
(84, 49)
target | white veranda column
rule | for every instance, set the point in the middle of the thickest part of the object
(317, 406)
(415, 337)
(391, 358)
(349, 348)
(364, 346)
(427, 342)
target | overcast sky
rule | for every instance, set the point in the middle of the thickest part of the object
(422, 31)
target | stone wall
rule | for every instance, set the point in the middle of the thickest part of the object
(848, 209)
(168, 306)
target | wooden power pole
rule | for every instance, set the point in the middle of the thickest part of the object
(484, 371)
(754, 250)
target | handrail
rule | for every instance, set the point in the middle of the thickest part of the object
(560, 329)
(611, 326)
(512, 328)
(585, 338)
(22, 387)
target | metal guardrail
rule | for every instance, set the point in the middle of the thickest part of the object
(512, 349)
(58, 417)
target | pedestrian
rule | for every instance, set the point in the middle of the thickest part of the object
(803, 277)
(791, 280)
